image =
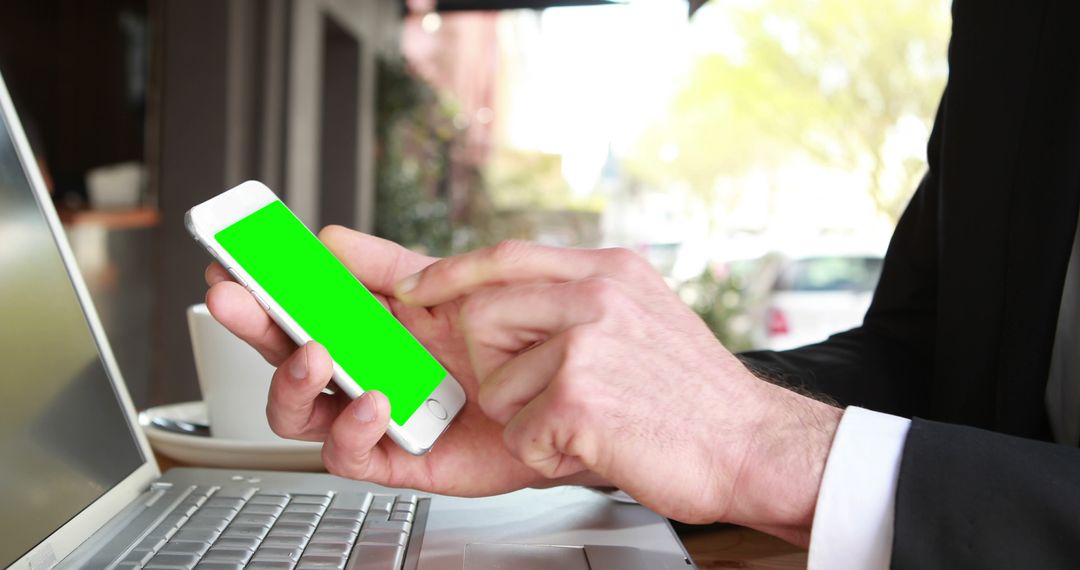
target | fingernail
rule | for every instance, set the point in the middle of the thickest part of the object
(364, 411)
(298, 366)
(407, 284)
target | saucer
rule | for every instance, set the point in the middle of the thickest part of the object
(202, 451)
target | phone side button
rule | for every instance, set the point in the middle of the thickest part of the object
(436, 409)
(259, 299)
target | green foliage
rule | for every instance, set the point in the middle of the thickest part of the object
(415, 133)
(724, 302)
(828, 78)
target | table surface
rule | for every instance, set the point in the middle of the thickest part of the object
(714, 546)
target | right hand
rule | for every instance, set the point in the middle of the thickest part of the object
(469, 459)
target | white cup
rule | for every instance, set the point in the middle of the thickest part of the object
(233, 377)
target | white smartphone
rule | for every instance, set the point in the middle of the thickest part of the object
(311, 295)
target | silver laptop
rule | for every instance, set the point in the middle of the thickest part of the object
(79, 487)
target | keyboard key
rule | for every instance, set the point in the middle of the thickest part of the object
(234, 555)
(185, 509)
(343, 514)
(329, 549)
(271, 565)
(263, 520)
(285, 541)
(224, 513)
(381, 504)
(161, 532)
(204, 491)
(404, 508)
(205, 536)
(378, 557)
(242, 493)
(139, 556)
(224, 502)
(277, 553)
(318, 562)
(275, 492)
(302, 508)
(401, 516)
(196, 548)
(350, 526)
(322, 500)
(277, 500)
(332, 536)
(382, 536)
(211, 565)
(237, 543)
(151, 543)
(245, 531)
(272, 510)
(402, 526)
(167, 560)
(293, 529)
(206, 523)
(302, 518)
(359, 501)
(173, 521)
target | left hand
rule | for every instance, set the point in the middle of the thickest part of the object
(592, 363)
(469, 459)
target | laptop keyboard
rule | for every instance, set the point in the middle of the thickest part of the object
(228, 529)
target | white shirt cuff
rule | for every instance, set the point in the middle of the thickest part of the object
(853, 520)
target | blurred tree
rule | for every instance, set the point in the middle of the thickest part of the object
(836, 80)
(415, 133)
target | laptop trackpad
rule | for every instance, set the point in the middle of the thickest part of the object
(547, 557)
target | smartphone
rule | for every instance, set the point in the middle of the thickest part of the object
(311, 295)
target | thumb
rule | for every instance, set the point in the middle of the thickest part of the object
(352, 447)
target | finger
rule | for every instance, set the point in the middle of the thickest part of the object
(235, 308)
(543, 436)
(501, 321)
(510, 261)
(510, 387)
(376, 262)
(215, 274)
(352, 446)
(296, 407)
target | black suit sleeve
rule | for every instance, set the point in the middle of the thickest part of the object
(970, 498)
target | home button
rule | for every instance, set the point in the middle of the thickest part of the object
(436, 409)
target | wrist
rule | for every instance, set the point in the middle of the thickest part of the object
(777, 487)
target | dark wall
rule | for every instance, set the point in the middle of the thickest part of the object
(192, 169)
(77, 72)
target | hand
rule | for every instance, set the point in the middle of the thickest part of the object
(469, 459)
(593, 364)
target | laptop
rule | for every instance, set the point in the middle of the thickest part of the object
(79, 486)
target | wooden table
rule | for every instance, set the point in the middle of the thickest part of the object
(714, 546)
(729, 546)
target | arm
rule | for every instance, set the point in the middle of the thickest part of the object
(970, 498)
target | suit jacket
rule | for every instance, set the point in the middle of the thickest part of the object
(961, 328)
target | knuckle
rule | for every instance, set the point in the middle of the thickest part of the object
(604, 295)
(578, 350)
(566, 399)
(332, 460)
(473, 313)
(509, 251)
(623, 259)
(488, 401)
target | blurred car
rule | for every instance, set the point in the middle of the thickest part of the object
(815, 296)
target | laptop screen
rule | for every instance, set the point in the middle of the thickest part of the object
(64, 436)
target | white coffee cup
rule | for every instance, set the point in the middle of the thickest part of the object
(234, 379)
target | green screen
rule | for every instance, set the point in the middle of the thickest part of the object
(327, 301)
